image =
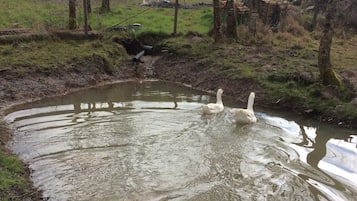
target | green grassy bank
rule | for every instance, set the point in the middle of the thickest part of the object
(288, 73)
(48, 15)
(12, 178)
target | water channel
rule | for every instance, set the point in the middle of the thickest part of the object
(149, 141)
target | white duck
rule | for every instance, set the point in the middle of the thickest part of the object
(245, 116)
(212, 108)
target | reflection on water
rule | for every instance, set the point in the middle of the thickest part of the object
(149, 141)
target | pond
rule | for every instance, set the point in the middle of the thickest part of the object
(150, 141)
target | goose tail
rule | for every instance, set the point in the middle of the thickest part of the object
(205, 109)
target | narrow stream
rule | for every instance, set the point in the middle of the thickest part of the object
(149, 141)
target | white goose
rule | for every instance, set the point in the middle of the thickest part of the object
(245, 116)
(212, 108)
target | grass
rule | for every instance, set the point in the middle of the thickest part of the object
(11, 177)
(344, 53)
(31, 14)
(41, 15)
(54, 55)
(283, 64)
(155, 19)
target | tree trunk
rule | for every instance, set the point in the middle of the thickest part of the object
(319, 6)
(105, 6)
(327, 74)
(217, 21)
(314, 18)
(175, 18)
(89, 6)
(72, 23)
(231, 20)
(85, 11)
(283, 20)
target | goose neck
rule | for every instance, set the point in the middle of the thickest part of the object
(219, 99)
(250, 103)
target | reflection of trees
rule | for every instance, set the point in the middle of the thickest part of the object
(92, 107)
(319, 146)
(172, 97)
(306, 140)
(77, 107)
(175, 99)
(314, 157)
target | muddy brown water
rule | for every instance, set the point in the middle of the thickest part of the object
(149, 141)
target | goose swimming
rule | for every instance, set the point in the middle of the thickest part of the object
(212, 108)
(245, 116)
